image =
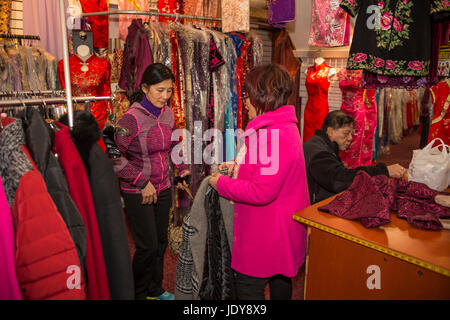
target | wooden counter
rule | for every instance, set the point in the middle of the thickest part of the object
(345, 260)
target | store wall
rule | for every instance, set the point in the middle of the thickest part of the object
(16, 22)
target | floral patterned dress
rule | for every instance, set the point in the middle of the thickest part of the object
(360, 104)
(330, 25)
(392, 37)
(440, 125)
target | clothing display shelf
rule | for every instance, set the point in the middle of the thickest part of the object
(149, 13)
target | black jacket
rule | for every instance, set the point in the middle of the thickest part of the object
(39, 141)
(108, 206)
(326, 173)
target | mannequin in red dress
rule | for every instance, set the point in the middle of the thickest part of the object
(317, 84)
(89, 76)
(440, 125)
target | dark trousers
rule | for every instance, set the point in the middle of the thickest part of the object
(252, 288)
(148, 225)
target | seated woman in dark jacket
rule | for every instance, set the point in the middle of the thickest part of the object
(325, 170)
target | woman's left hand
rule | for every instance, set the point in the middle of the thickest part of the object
(184, 174)
(213, 180)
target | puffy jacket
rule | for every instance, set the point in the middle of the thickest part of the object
(47, 262)
(9, 285)
(39, 143)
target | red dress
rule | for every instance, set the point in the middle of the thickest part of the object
(316, 109)
(93, 82)
(440, 126)
(360, 104)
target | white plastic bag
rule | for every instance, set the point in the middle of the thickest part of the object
(431, 166)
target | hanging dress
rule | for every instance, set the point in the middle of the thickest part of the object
(93, 82)
(316, 109)
(360, 105)
(330, 25)
(440, 125)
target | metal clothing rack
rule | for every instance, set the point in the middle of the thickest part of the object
(50, 100)
(32, 93)
(149, 13)
(19, 37)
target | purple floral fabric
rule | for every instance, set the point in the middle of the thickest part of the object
(369, 200)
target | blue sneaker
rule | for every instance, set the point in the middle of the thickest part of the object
(165, 296)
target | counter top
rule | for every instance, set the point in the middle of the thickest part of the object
(429, 249)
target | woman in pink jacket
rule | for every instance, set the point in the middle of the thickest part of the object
(268, 187)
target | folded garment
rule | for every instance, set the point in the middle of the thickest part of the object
(369, 200)
(362, 201)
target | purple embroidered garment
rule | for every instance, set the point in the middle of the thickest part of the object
(370, 199)
(362, 202)
(215, 61)
(280, 12)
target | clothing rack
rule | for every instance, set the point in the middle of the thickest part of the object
(62, 20)
(62, 14)
(149, 13)
(19, 36)
(51, 100)
(32, 93)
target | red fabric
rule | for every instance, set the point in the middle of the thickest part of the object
(94, 82)
(44, 247)
(170, 6)
(316, 109)
(241, 74)
(99, 24)
(441, 116)
(80, 191)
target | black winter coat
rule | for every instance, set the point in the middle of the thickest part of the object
(39, 142)
(108, 206)
(326, 173)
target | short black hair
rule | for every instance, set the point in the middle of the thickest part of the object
(268, 87)
(337, 119)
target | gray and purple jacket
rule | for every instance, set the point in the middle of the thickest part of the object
(146, 150)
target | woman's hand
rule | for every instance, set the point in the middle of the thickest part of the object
(184, 174)
(228, 165)
(149, 195)
(213, 180)
(396, 171)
